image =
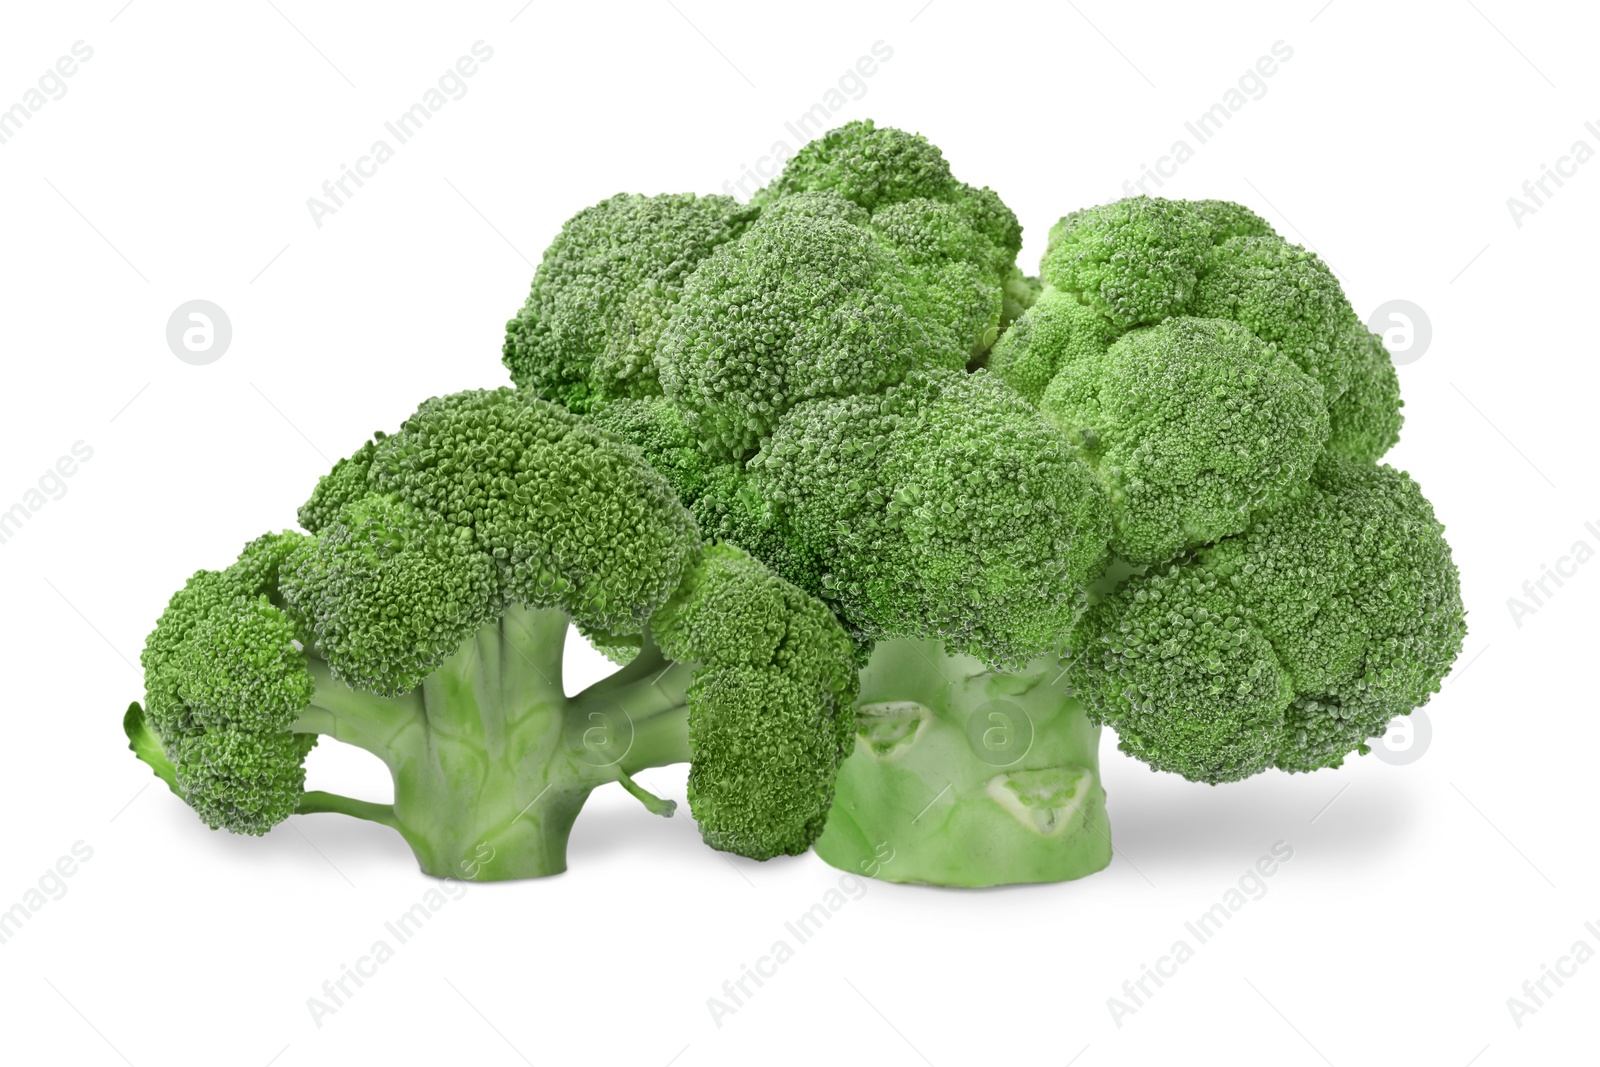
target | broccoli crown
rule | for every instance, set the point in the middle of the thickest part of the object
(552, 510)
(1136, 262)
(1187, 473)
(810, 302)
(224, 679)
(1288, 645)
(941, 506)
(1192, 427)
(421, 537)
(878, 166)
(605, 289)
(768, 653)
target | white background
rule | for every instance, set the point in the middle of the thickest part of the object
(177, 166)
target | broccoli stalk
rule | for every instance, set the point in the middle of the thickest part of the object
(424, 621)
(973, 777)
(491, 761)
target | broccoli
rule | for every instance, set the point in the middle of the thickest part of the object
(1140, 490)
(1286, 596)
(822, 405)
(812, 301)
(605, 289)
(1192, 426)
(1200, 362)
(865, 257)
(423, 616)
(1288, 645)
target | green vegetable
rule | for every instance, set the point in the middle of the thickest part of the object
(1141, 490)
(604, 291)
(1289, 645)
(423, 619)
(973, 777)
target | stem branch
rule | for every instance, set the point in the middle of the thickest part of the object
(315, 800)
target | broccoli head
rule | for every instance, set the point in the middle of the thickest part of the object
(960, 242)
(1192, 427)
(942, 507)
(1288, 645)
(605, 289)
(1149, 474)
(423, 617)
(1237, 431)
(826, 367)
(810, 302)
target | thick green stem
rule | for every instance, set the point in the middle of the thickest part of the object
(963, 776)
(491, 761)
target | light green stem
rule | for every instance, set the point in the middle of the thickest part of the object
(491, 761)
(963, 776)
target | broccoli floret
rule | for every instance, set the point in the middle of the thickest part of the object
(1057, 330)
(656, 427)
(1286, 295)
(875, 166)
(1289, 645)
(424, 619)
(1138, 261)
(960, 278)
(605, 289)
(1365, 420)
(810, 302)
(960, 242)
(943, 506)
(1192, 427)
(1194, 440)
(764, 645)
(225, 720)
(1135, 261)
